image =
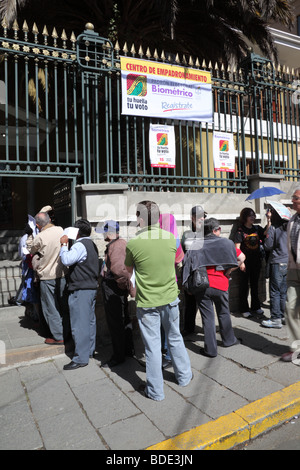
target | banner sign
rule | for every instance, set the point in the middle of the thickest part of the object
(223, 149)
(161, 90)
(162, 146)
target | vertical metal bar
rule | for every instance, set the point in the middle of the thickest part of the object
(110, 109)
(119, 129)
(144, 151)
(194, 150)
(257, 163)
(6, 107)
(244, 156)
(108, 170)
(96, 133)
(135, 146)
(47, 112)
(83, 98)
(287, 134)
(188, 154)
(295, 163)
(260, 136)
(75, 120)
(277, 128)
(201, 151)
(66, 112)
(27, 110)
(296, 131)
(88, 128)
(237, 120)
(272, 143)
(56, 113)
(180, 155)
(17, 112)
(282, 128)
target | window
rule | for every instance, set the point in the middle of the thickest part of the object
(298, 25)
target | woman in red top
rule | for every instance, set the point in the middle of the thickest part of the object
(217, 295)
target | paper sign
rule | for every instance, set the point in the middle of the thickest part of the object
(223, 148)
(162, 146)
(71, 232)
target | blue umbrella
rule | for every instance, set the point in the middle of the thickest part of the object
(264, 192)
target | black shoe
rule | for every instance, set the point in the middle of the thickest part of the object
(187, 332)
(111, 363)
(73, 365)
(204, 353)
(238, 341)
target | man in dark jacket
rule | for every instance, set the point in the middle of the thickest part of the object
(83, 262)
(116, 286)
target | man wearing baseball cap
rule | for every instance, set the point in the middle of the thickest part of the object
(116, 286)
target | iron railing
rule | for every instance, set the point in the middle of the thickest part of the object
(60, 116)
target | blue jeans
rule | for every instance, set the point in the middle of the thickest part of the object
(278, 289)
(150, 320)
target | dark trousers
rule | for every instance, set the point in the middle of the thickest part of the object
(54, 302)
(250, 276)
(190, 312)
(118, 321)
(206, 301)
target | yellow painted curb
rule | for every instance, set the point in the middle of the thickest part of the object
(240, 426)
(272, 410)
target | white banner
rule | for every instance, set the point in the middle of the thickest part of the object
(223, 149)
(162, 146)
(161, 90)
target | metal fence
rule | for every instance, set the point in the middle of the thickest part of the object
(60, 116)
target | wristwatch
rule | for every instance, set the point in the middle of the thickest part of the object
(63, 244)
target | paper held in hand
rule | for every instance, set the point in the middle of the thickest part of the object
(71, 232)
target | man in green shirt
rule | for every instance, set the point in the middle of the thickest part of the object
(152, 254)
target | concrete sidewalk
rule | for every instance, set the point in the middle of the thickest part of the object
(234, 397)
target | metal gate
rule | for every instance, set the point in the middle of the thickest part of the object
(60, 117)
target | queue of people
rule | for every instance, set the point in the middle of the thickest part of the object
(145, 267)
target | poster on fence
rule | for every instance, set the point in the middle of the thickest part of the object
(162, 146)
(223, 150)
(156, 89)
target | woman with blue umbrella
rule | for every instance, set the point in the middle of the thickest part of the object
(249, 239)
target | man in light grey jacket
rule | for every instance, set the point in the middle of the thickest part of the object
(292, 311)
(51, 273)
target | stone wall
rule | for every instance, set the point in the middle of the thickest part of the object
(98, 203)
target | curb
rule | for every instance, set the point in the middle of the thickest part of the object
(239, 426)
(29, 353)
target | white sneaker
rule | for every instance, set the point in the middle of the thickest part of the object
(246, 314)
(272, 323)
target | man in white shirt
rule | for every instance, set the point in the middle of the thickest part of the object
(83, 262)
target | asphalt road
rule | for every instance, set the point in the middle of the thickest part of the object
(285, 437)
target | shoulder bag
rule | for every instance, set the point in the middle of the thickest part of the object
(197, 281)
